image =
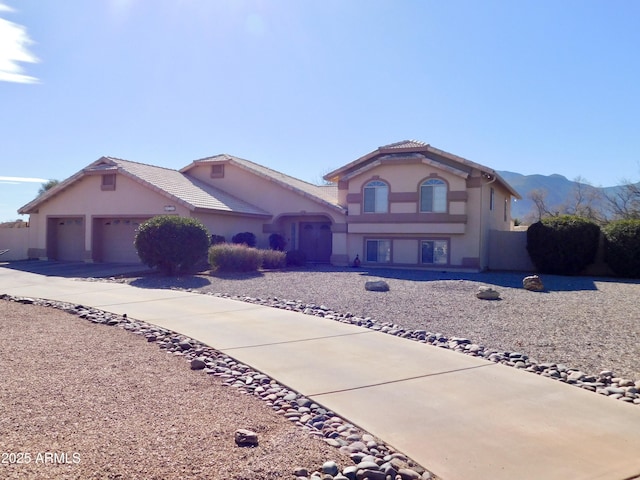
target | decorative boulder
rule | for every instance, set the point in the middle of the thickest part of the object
(487, 293)
(533, 283)
(198, 363)
(246, 438)
(376, 286)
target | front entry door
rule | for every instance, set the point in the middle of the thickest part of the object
(316, 241)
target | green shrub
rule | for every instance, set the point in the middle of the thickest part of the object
(247, 238)
(563, 245)
(230, 257)
(272, 259)
(171, 243)
(277, 242)
(622, 247)
(216, 239)
(296, 258)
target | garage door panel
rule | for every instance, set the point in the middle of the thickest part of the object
(70, 239)
(115, 237)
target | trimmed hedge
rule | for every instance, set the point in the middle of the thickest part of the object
(273, 259)
(563, 245)
(233, 257)
(622, 247)
(171, 243)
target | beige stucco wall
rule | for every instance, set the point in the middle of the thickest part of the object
(16, 240)
(405, 177)
(230, 225)
(508, 251)
(264, 193)
(86, 199)
(406, 237)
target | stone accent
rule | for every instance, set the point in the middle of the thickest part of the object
(246, 438)
(376, 286)
(533, 283)
(487, 293)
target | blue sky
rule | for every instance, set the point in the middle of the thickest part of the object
(304, 87)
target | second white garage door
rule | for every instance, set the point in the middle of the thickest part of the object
(114, 238)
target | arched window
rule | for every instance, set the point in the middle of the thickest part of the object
(433, 196)
(376, 197)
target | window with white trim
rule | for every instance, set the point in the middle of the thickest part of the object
(434, 252)
(378, 251)
(376, 197)
(433, 196)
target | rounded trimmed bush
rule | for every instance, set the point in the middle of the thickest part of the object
(296, 258)
(216, 239)
(277, 242)
(563, 245)
(248, 238)
(171, 243)
(622, 247)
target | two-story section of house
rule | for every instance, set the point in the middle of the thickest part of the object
(409, 204)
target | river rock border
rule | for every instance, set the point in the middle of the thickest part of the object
(372, 458)
(604, 383)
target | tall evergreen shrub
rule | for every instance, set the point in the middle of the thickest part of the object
(622, 247)
(563, 245)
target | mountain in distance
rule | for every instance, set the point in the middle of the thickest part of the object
(559, 189)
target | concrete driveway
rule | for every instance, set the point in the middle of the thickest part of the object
(52, 268)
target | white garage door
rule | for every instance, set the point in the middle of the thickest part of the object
(115, 239)
(68, 236)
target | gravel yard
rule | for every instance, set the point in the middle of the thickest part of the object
(113, 407)
(123, 408)
(587, 323)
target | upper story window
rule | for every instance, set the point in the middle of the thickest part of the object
(433, 196)
(108, 181)
(376, 197)
(492, 198)
(217, 170)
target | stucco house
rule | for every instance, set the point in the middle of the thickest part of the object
(405, 204)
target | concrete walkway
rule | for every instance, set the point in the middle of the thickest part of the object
(461, 417)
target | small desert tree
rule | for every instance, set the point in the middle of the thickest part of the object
(171, 243)
(48, 185)
(624, 204)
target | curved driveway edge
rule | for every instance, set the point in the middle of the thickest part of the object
(459, 416)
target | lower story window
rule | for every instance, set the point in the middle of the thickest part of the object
(378, 251)
(434, 252)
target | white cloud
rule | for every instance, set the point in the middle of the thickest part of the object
(22, 180)
(14, 43)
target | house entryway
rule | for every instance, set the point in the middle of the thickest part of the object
(315, 240)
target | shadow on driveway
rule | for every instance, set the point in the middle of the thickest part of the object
(53, 268)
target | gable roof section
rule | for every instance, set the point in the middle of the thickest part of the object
(325, 195)
(182, 189)
(410, 149)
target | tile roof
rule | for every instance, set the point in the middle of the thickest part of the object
(187, 190)
(446, 160)
(405, 144)
(325, 194)
(182, 188)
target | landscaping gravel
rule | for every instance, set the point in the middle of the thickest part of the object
(580, 330)
(585, 323)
